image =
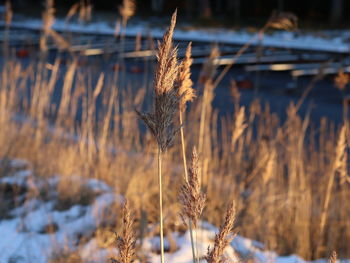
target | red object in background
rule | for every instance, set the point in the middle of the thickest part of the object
(135, 69)
(22, 53)
(245, 84)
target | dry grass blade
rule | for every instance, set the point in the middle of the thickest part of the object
(160, 121)
(223, 238)
(240, 126)
(72, 11)
(85, 10)
(209, 67)
(283, 20)
(191, 198)
(126, 241)
(184, 82)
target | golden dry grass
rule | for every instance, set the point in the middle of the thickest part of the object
(289, 180)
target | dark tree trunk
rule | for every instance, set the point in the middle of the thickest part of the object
(189, 8)
(336, 11)
(235, 7)
(157, 6)
(280, 5)
(205, 8)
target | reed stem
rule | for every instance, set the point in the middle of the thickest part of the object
(186, 178)
(160, 204)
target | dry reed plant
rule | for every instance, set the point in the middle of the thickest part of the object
(223, 238)
(186, 93)
(166, 100)
(126, 241)
(339, 163)
(282, 20)
(192, 200)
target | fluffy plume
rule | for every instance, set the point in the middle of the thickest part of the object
(160, 121)
(126, 241)
(341, 156)
(191, 198)
(184, 82)
(127, 10)
(283, 20)
(223, 238)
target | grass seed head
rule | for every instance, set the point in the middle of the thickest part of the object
(223, 238)
(191, 198)
(184, 82)
(166, 100)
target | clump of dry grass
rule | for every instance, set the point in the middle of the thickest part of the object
(223, 238)
(191, 197)
(126, 241)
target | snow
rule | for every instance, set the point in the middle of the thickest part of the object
(329, 41)
(24, 237)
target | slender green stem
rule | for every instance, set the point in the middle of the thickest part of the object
(160, 205)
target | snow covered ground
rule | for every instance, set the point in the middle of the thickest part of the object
(34, 228)
(332, 41)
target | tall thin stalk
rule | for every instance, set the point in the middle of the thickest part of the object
(338, 163)
(186, 93)
(192, 199)
(166, 100)
(160, 203)
(183, 146)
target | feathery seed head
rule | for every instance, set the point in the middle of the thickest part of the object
(191, 198)
(166, 100)
(283, 20)
(126, 241)
(223, 238)
(184, 83)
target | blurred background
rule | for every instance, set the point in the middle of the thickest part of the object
(314, 13)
